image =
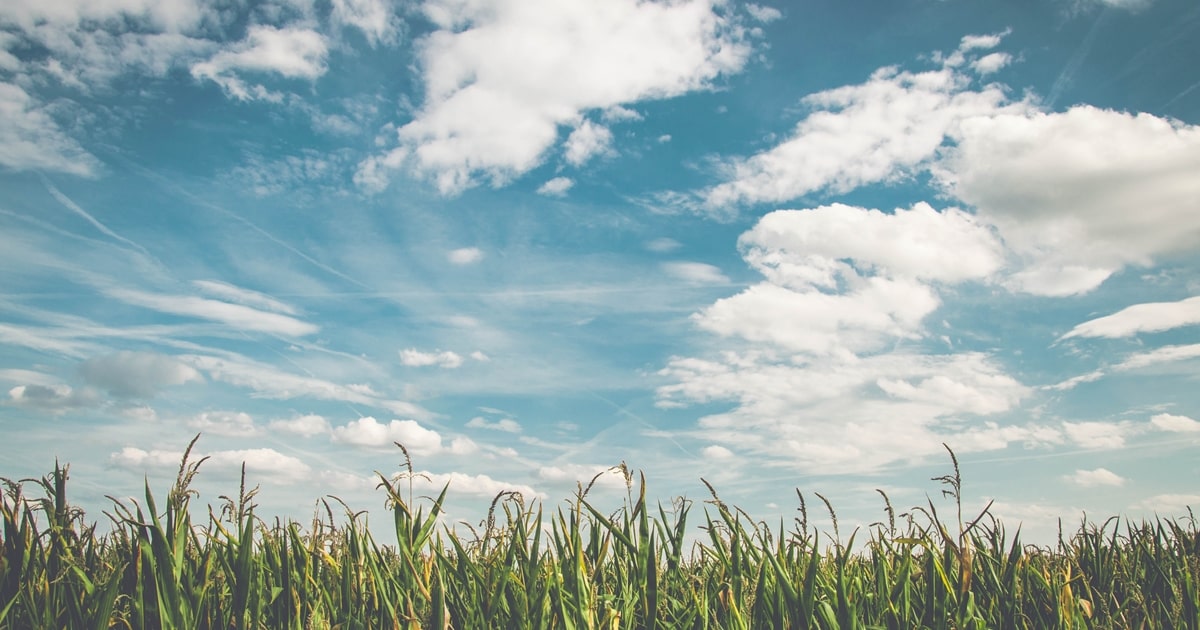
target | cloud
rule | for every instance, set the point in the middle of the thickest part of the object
(1165, 354)
(891, 126)
(236, 316)
(376, 19)
(269, 462)
(1094, 478)
(663, 245)
(465, 255)
(291, 52)
(370, 433)
(1139, 318)
(415, 358)
(136, 374)
(717, 452)
(587, 141)
(253, 299)
(1174, 423)
(507, 425)
(484, 486)
(228, 423)
(695, 272)
(31, 140)
(1060, 186)
(811, 247)
(1098, 435)
(304, 426)
(53, 398)
(270, 382)
(597, 474)
(556, 187)
(501, 78)
(1168, 503)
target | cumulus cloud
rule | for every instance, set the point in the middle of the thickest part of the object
(290, 52)
(265, 461)
(1174, 423)
(1098, 435)
(370, 433)
(1140, 318)
(556, 187)
(587, 141)
(877, 131)
(1094, 478)
(597, 475)
(507, 425)
(136, 374)
(1060, 186)
(480, 485)
(501, 78)
(416, 358)
(304, 426)
(227, 423)
(716, 451)
(53, 398)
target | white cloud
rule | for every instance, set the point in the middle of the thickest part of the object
(604, 476)
(228, 423)
(556, 187)
(415, 358)
(234, 315)
(465, 255)
(1098, 435)
(1165, 354)
(136, 374)
(695, 272)
(762, 13)
(822, 323)
(587, 141)
(1168, 504)
(1060, 187)
(663, 245)
(878, 131)
(1097, 477)
(479, 356)
(269, 462)
(250, 298)
(370, 433)
(293, 53)
(507, 425)
(799, 248)
(53, 398)
(502, 77)
(990, 63)
(377, 19)
(269, 382)
(1174, 423)
(1139, 318)
(480, 485)
(30, 139)
(716, 451)
(304, 426)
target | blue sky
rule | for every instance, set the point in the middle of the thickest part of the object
(776, 246)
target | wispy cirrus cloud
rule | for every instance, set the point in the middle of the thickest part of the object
(237, 316)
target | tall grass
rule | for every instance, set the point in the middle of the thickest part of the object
(163, 567)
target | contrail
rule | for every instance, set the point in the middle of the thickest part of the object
(104, 229)
(172, 186)
(1068, 72)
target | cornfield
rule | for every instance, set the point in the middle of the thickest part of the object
(574, 568)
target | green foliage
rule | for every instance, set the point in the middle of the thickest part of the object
(576, 568)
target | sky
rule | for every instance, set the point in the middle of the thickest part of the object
(777, 246)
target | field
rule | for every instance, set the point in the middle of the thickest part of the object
(161, 566)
